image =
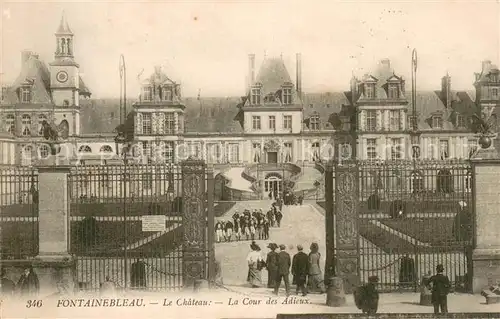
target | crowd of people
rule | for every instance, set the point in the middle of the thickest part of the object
(305, 269)
(249, 225)
(27, 285)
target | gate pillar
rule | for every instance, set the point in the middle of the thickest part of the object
(194, 222)
(486, 253)
(346, 224)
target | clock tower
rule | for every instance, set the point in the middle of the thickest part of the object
(64, 71)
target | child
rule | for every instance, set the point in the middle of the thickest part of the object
(440, 289)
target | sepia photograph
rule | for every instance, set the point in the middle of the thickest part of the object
(250, 159)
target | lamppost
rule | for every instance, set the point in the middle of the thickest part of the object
(124, 138)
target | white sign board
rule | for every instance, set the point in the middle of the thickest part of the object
(154, 223)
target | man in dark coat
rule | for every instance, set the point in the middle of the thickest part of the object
(8, 286)
(279, 216)
(366, 297)
(28, 282)
(300, 269)
(284, 263)
(462, 225)
(440, 289)
(272, 265)
(407, 275)
(138, 274)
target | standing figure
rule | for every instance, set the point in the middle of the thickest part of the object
(279, 216)
(228, 230)
(266, 228)
(366, 297)
(272, 265)
(315, 281)
(255, 265)
(8, 287)
(252, 228)
(138, 274)
(440, 288)
(237, 229)
(218, 232)
(300, 270)
(270, 217)
(28, 284)
(407, 274)
(284, 263)
(247, 228)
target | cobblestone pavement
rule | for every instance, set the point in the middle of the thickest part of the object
(300, 225)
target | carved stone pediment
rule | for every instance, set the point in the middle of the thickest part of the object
(271, 146)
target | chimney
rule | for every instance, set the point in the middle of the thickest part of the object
(486, 66)
(299, 75)
(386, 63)
(251, 70)
(354, 87)
(25, 55)
(446, 90)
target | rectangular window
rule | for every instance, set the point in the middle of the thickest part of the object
(395, 148)
(371, 148)
(147, 93)
(146, 149)
(255, 96)
(370, 91)
(394, 120)
(146, 124)
(25, 95)
(256, 122)
(256, 152)
(169, 123)
(437, 122)
(371, 120)
(272, 122)
(287, 122)
(393, 91)
(314, 125)
(287, 96)
(444, 149)
(169, 152)
(288, 148)
(494, 93)
(234, 153)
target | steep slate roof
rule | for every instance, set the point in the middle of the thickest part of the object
(383, 74)
(272, 75)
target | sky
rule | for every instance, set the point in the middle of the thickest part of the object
(204, 45)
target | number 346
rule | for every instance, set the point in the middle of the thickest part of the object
(34, 304)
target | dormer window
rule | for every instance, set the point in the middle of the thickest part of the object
(460, 121)
(287, 96)
(25, 95)
(370, 90)
(167, 94)
(147, 93)
(255, 96)
(437, 122)
(314, 123)
(393, 91)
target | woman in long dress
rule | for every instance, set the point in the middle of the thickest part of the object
(315, 281)
(255, 264)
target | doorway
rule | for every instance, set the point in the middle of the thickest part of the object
(272, 157)
(273, 182)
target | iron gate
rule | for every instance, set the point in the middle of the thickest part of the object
(399, 219)
(110, 208)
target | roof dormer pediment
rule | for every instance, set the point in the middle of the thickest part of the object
(369, 79)
(394, 79)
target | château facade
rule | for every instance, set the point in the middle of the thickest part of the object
(275, 132)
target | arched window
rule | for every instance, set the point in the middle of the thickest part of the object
(41, 118)
(416, 182)
(444, 181)
(10, 123)
(26, 125)
(43, 151)
(27, 155)
(106, 149)
(85, 149)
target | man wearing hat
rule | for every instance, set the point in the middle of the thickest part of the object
(272, 265)
(440, 289)
(284, 263)
(300, 269)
